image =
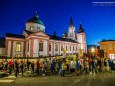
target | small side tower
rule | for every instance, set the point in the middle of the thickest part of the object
(81, 38)
(65, 34)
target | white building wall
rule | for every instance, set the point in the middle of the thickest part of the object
(35, 49)
(36, 26)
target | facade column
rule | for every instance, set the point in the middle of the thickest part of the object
(48, 48)
(31, 47)
(59, 48)
(6, 48)
(11, 51)
(24, 50)
(52, 48)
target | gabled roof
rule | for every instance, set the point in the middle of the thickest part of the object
(62, 39)
(14, 35)
(2, 42)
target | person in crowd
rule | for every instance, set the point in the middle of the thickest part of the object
(52, 67)
(93, 66)
(60, 66)
(46, 66)
(72, 66)
(43, 68)
(105, 64)
(6, 64)
(78, 67)
(32, 67)
(22, 66)
(86, 67)
(1, 66)
(16, 68)
(10, 64)
(99, 63)
(63, 68)
(37, 67)
(67, 64)
(28, 64)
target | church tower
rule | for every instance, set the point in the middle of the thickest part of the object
(71, 32)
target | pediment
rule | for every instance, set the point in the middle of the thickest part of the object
(40, 34)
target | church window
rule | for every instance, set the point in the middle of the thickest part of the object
(76, 48)
(31, 28)
(40, 46)
(110, 47)
(66, 48)
(73, 48)
(18, 47)
(56, 47)
(49, 47)
(61, 47)
(28, 47)
(70, 48)
(38, 28)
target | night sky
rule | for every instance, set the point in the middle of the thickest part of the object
(98, 21)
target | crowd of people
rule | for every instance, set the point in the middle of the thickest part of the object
(57, 66)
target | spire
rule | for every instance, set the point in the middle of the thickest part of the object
(71, 21)
(80, 29)
(36, 15)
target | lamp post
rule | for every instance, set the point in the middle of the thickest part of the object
(92, 52)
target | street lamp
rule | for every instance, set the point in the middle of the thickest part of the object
(92, 51)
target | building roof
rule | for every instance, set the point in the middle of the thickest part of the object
(2, 42)
(62, 39)
(106, 40)
(35, 19)
(80, 29)
(28, 32)
(14, 35)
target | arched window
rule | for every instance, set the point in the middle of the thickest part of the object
(38, 29)
(18, 47)
(31, 28)
(41, 46)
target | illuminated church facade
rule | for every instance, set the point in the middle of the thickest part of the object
(34, 42)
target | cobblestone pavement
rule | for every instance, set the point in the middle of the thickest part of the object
(100, 79)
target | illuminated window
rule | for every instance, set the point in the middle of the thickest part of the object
(28, 47)
(38, 29)
(31, 28)
(66, 48)
(111, 56)
(56, 47)
(70, 48)
(50, 47)
(61, 47)
(18, 47)
(17, 55)
(110, 47)
(40, 46)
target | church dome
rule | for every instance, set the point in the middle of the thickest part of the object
(35, 19)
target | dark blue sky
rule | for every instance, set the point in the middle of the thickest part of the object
(98, 21)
